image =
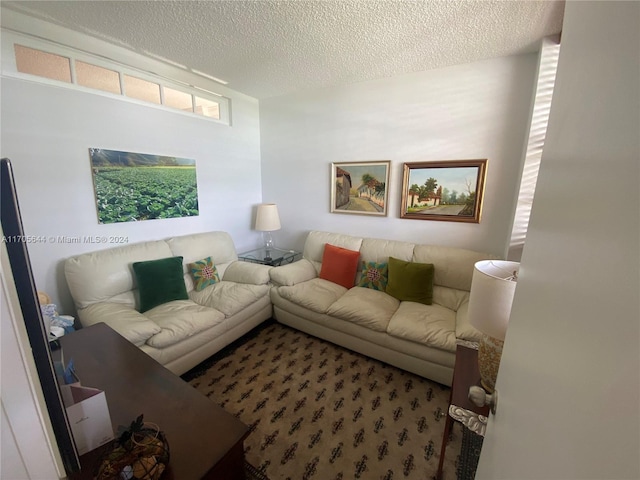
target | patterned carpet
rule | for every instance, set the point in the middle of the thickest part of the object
(320, 412)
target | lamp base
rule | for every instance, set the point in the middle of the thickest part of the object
(267, 244)
(489, 354)
(267, 240)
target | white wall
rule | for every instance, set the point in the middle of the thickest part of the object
(569, 382)
(478, 110)
(47, 131)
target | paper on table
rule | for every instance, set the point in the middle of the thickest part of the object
(87, 411)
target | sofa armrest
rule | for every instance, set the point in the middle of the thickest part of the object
(124, 319)
(292, 273)
(464, 329)
(246, 272)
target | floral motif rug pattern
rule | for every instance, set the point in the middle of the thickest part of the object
(317, 411)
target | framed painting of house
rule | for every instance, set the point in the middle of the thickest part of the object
(360, 187)
(450, 190)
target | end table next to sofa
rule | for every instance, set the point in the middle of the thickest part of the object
(274, 257)
(474, 419)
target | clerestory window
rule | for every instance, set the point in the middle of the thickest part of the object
(58, 63)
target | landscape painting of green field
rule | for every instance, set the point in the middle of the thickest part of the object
(131, 187)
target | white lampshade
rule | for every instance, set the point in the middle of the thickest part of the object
(492, 288)
(267, 219)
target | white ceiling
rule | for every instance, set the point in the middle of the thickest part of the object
(270, 48)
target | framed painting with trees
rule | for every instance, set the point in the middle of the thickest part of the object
(449, 190)
(360, 187)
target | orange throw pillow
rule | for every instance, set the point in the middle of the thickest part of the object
(339, 265)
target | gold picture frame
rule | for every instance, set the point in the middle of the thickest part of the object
(360, 188)
(448, 190)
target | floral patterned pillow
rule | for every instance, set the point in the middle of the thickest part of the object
(204, 273)
(374, 275)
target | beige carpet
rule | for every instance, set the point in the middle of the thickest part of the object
(318, 411)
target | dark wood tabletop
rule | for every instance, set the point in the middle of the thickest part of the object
(466, 374)
(204, 440)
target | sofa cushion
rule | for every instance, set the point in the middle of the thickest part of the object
(159, 281)
(99, 276)
(204, 273)
(374, 275)
(410, 281)
(464, 329)
(292, 273)
(316, 294)
(432, 325)
(339, 265)
(379, 250)
(367, 307)
(316, 241)
(217, 245)
(449, 297)
(453, 266)
(229, 297)
(179, 320)
(247, 272)
(123, 318)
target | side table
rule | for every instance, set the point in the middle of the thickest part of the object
(465, 374)
(273, 257)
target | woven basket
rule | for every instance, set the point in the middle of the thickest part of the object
(143, 457)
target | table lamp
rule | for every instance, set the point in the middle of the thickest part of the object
(492, 288)
(267, 221)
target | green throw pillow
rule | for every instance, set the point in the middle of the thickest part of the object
(160, 281)
(374, 275)
(204, 273)
(410, 281)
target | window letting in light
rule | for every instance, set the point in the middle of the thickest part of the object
(208, 108)
(43, 64)
(54, 63)
(100, 78)
(547, 66)
(177, 99)
(135, 87)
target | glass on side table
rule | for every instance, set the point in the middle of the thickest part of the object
(273, 256)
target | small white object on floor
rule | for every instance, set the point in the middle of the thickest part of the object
(57, 331)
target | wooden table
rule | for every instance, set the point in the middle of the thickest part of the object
(204, 440)
(465, 375)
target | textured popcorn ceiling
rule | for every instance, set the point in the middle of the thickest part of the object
(270, 48)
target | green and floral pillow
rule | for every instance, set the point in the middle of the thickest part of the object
(204, 273)
(374, 275)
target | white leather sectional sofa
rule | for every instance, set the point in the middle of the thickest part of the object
(413, 336)
(181, 333)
